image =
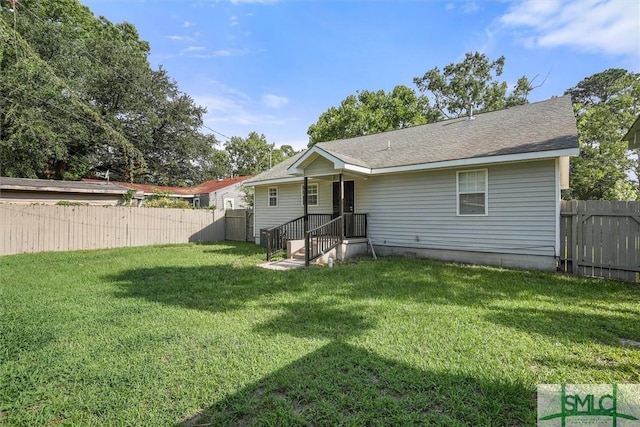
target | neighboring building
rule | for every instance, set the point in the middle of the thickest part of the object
(221, 193)
(633, 135)
(483, 190)
(144, 191)
(28, 191)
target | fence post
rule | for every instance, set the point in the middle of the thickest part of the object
(575, 249)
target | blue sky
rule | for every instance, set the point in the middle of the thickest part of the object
(274, 66)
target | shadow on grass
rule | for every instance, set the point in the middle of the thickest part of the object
(572, 326)
(477, 286)
(609, 366)
(311, 319)
(223, 287)
(340, 384)
(214, 288)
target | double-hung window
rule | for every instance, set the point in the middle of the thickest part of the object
(472, 192)
(273, 196)
(312, 194)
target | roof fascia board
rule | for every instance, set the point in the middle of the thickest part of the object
(479, 160)
(274, 181)
(357, 169)
(297, 169)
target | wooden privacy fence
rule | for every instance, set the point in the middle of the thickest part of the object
(36, 228)
(239, 225)
(600, 238)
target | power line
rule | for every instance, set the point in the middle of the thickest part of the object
(216, 132)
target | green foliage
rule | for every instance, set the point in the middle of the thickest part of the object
(606, 105)
(472, 86)
(163, 199)
(248, 195)
(128, 197)
(80, 98)
(372, 112)
(68, 203)
(252, 155)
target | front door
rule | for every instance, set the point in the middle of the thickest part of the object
(349, 204)
(349, 198)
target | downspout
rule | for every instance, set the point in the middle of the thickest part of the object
(342, 207)
(305, 221)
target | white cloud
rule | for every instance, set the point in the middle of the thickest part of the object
(234, 21)
(231, 52)
(274, 101)
(180, 38)
(193, 49)
(467, 6)
(188, 24)
(233, 108)
(603, 26)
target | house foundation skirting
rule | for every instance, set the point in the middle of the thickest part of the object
(529, 262)
(349, 248)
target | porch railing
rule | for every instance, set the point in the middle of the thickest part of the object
(278, 236)
(322, 239)
(355, 225)
(324, 233)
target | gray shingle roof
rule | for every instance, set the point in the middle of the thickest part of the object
(536, 127)
(7, 183)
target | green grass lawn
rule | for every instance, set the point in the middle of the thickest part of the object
(197, 335)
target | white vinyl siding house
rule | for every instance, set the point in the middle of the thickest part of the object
(420, 211)
(482, 191)
(289, 205)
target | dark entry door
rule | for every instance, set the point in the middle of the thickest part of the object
(349, 198)
(349, 205)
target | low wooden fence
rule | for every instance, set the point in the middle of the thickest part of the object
(600, 238)
(37, 228)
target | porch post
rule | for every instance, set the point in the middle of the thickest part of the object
(342, 207)
(305, 221)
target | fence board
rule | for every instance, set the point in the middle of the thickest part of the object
(37, 228)
(236, 225)
(600, 238)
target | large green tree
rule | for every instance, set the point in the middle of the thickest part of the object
(472, 86)
(606, 106)
(254, 154)
(369, 112)
(73, 85)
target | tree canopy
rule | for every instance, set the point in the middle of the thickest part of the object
(252, 155)
(80, 98)
(606, 105)
(369, 112)
(472, 86)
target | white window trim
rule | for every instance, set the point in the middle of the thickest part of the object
(277, 196)
(486, 192)
(315, 184)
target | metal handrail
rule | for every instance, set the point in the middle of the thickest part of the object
(322, 239)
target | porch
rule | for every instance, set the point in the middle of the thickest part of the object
(315, 236)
